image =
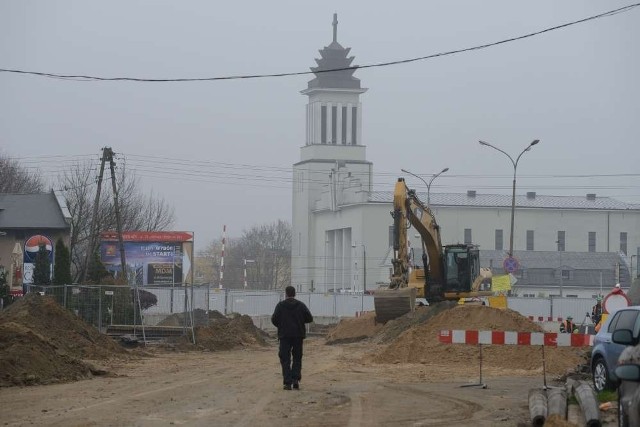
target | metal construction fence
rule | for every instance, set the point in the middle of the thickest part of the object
(181, 307)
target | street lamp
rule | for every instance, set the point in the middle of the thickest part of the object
(560, 260)
(434, 176)
(245, 270)
(513, 196)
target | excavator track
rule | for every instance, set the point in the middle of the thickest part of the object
(392, 303)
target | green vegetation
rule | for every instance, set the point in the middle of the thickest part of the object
(608, 396)
(42, 269)
(62, 265)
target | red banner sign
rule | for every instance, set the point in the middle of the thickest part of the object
(149, 236)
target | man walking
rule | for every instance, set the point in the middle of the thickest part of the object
(290, 317)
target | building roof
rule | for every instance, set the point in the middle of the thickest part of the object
(531, 200)
(553, 259)
(334, 57)
(41, 210)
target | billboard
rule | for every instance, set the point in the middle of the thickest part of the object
(31, 249)
(155, 258)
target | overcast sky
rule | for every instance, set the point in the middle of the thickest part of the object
(221, 152)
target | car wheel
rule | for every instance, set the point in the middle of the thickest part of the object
(601, 380)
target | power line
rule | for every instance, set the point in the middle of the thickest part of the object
(299, 73)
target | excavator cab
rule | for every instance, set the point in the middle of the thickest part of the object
(461, 265)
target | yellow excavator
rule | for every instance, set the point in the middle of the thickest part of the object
(448, 272)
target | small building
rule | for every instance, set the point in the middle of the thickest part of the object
(26, 222)
(567, 274)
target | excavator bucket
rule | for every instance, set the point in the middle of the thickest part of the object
(392, 303)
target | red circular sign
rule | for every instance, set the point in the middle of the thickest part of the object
(510, 265)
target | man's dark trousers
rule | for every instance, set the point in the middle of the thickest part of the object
(291, 347)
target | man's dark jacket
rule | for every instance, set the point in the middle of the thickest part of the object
(289, 317)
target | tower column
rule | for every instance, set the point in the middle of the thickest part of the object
(349, 122)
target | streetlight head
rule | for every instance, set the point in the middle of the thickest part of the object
(535, 141)
(405, 171)
(483, 143)
(444, 170)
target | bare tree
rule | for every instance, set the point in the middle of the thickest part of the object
(267, 247)
(138, 211)
(209, 264)
(16, 178)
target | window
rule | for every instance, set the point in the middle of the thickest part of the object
(499, 240)
(323, 124)
(354, 125)
(334, 125)
(566, 274)
(529, 240)
(625, 319)
(623, 242)
(560, 242)
(344, 125)
(299, 182)
(592, 241)
(467, 236)
(391, 236)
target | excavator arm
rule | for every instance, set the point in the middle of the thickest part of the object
(431, 281)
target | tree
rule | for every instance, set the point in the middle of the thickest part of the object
(96, 271)
(5, 295)
(208, 264)
(267, 245)
(62, 265)
(42, 268)
(139, 209)
(15, 178)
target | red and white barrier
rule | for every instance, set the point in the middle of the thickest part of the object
(548, 339)
(545, 319)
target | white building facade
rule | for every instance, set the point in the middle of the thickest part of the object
(341, 236)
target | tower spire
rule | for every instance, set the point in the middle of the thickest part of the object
(335, 27)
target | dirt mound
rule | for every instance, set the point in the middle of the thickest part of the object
(200, 318)
(420, 343)
(42, 343)
(395, 327)
(354, 329)
(227, 334)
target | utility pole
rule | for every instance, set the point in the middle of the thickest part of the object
(123, 261)
(94, 225)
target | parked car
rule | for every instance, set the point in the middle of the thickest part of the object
(620, 330)
(628, 373)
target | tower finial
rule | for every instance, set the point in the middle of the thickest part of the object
(335, 27)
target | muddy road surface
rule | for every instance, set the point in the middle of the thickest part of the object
(243, 388)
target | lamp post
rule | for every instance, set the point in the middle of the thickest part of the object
(560, 260)
(513, 196)
(245, 270)
(428, 184)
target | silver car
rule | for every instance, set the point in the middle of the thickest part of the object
(607, 348)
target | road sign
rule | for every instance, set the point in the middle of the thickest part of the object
(510, 265)
(108, 292)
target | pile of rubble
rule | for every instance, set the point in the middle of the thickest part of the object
(42, 343)
(414, 338)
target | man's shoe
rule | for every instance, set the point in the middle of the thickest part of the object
(286, 387)
(296, 385)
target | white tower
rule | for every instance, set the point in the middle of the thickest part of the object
(332, 161)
